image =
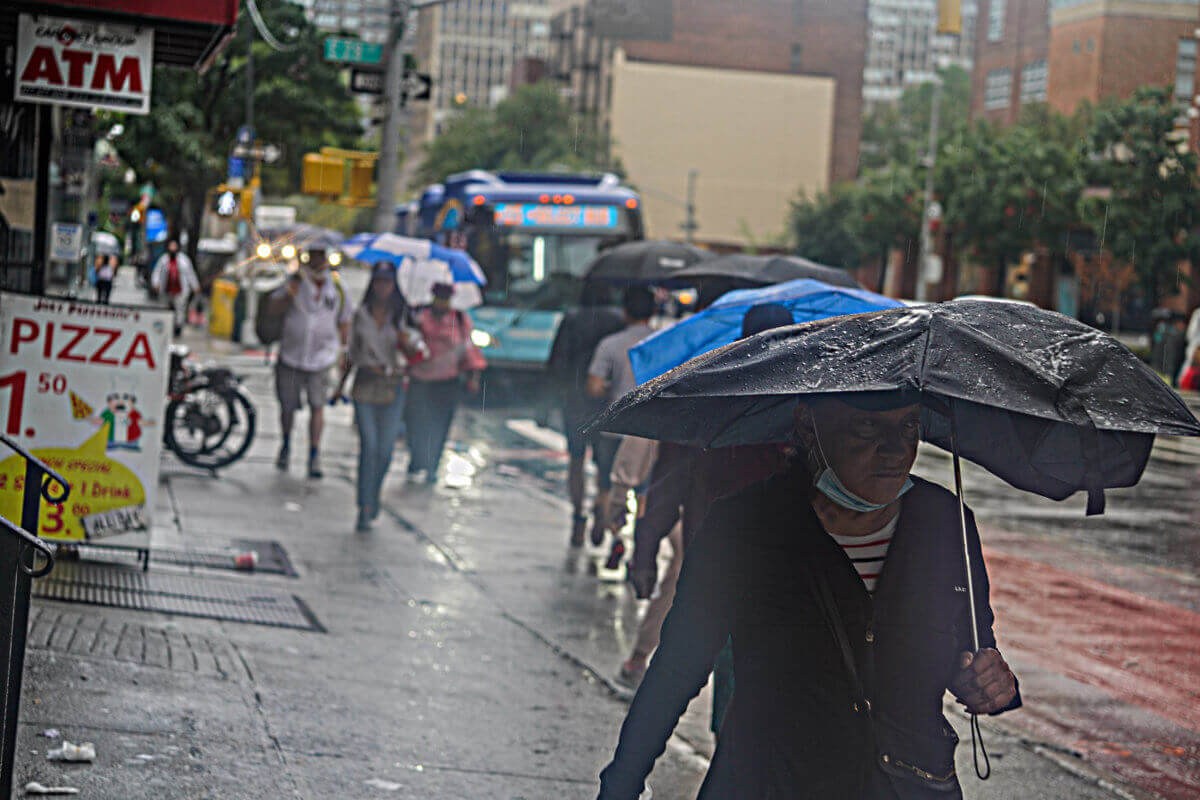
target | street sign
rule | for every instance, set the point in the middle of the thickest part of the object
(416, 86)
(268, 153)
(367, 81)
(66, 241)
(83, 63)
(353, 51)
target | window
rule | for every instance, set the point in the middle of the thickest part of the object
(1185, 71)
(797, 51)
(1075, 46)
(997, 89)
(1033, 82)
(1091, 45)
(797, 12)
(995, 31)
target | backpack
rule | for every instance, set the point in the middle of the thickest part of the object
(268, 327)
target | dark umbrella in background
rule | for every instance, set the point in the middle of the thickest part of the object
(643, 262)
(746, 271)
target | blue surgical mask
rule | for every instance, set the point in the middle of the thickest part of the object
(830, 485)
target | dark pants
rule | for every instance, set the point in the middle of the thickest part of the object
(103, 290)
(427, 416)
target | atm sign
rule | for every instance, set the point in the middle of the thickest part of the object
(537, 215)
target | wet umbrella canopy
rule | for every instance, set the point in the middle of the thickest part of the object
(643, 262)
(1045, 402)
(763, 271)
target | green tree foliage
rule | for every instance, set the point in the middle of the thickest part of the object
(898, 133)
(183, 144)
(1150, 209)
(823, 229)
(531, 129)
(1006, 191)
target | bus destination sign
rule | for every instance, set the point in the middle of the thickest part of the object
(538, 215)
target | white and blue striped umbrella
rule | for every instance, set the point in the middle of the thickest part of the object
(420, 264)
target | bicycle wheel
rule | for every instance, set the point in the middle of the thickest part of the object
(210, 429)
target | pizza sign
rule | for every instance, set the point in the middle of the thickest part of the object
(84, 64)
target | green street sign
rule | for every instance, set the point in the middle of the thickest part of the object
(353, 51)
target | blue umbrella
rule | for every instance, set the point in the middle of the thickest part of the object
(721, 323)
(420, 264)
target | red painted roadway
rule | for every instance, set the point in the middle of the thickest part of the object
(1116, 674)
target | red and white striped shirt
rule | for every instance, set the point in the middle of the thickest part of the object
(868, 553)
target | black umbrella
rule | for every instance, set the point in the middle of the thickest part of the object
(763, 271)
(1045, 402)
(643, 262)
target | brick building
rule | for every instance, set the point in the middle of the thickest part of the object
(1104, 49)
(1012, 42)
(819, 38)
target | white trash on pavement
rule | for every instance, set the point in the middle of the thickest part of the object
(73, 752)
(33, 787)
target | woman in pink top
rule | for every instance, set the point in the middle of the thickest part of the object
(436, 382)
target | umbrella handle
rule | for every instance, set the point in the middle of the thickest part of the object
(962, 522)
(976, 732)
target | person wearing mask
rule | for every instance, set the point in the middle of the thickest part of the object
(316, 328)
(609, 376)
(174, 277)
(436, 383)
(575, 343)
(839, 581)
(381, 336)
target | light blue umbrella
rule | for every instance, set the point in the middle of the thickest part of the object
(421, 264)
(721, 323)
(371, 248)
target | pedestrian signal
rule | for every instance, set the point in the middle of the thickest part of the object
(227, 203)
(361, 176)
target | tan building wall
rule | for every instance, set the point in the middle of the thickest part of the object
(756, 139)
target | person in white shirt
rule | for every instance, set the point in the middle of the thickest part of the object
(316, 328)
(175, 277)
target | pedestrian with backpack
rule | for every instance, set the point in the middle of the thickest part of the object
(436, 383)
(310, 318)
(175, 278)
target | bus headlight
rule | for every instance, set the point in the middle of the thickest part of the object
(288, 252)
(335, 258)
(263, 250)
(481, 338)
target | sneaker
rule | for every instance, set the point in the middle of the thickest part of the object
(631, 674)
(578, 528)
(616, 554)
(314, 467)
(281, 462)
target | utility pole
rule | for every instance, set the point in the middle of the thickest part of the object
(389, 156)
(926, 247)
(689, 224)
(250, 82)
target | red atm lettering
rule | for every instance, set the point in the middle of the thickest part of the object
(42, 66)
(106, 70)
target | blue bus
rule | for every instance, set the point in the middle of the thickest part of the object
(534, 235)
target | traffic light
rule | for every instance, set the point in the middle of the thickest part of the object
(322, 175)
(361, 175)
(1020, 276)
(950, 16)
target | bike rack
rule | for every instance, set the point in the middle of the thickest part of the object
(17, 570)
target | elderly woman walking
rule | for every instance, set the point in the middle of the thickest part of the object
(839, 581)
(381, 334)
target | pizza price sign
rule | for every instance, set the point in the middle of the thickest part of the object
(83, 387)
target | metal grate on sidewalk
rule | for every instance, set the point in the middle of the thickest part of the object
(129, 587)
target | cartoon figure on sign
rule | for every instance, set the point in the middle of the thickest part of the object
(125, 423)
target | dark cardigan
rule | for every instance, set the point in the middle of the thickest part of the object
(795, 728)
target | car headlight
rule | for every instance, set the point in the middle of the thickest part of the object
(263, 250)
(481, 338)
(288, 251)
(335, 258)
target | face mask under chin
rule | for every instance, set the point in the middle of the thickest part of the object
(829, 484)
